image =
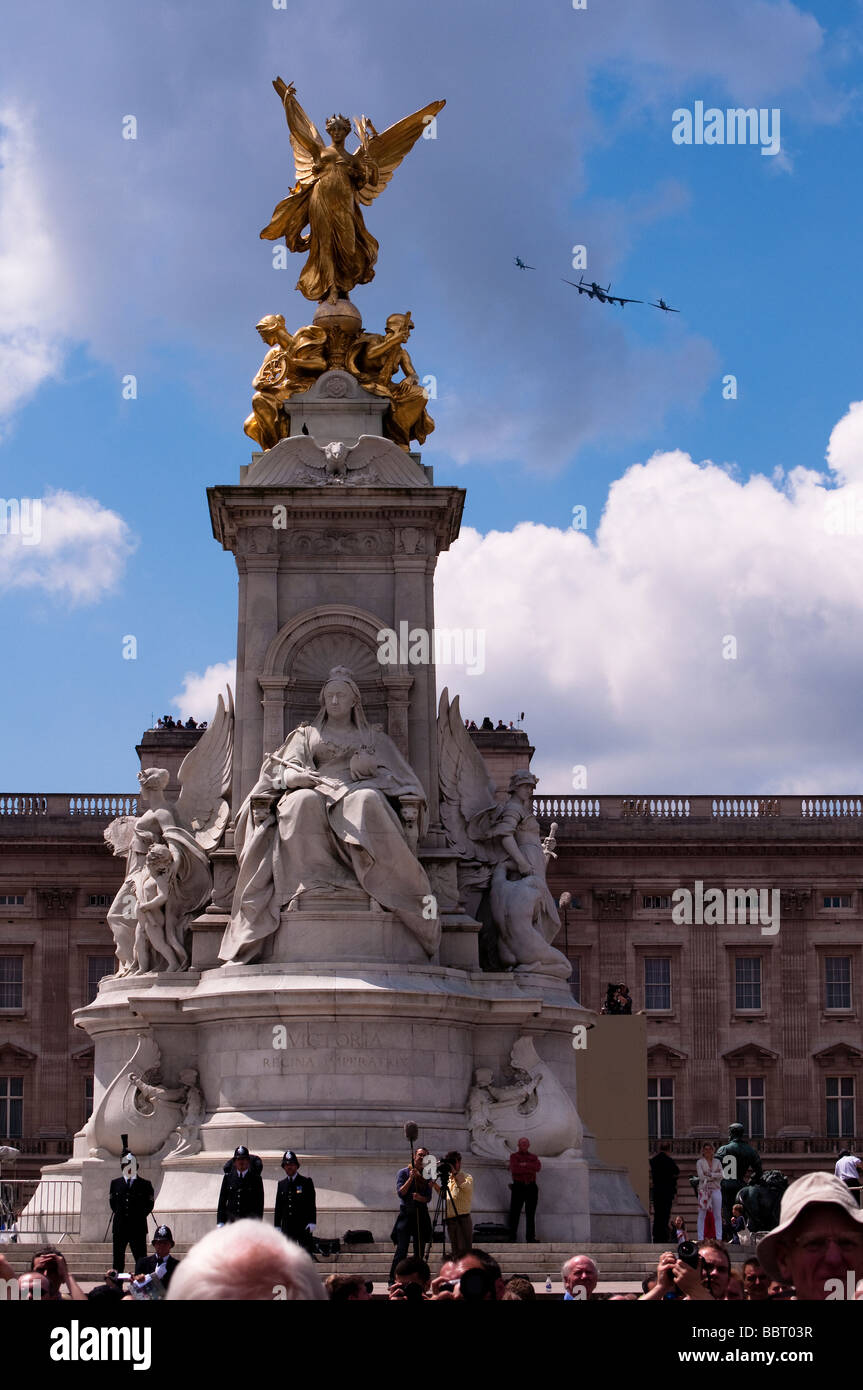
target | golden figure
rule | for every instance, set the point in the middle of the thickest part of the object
(374, 360)
(331, 185)
(293, 362)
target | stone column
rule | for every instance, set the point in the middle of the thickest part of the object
(704, 1083)
(410, 605)
(258, 566)
(795, 1098)
(275, 690)
(54, 1100)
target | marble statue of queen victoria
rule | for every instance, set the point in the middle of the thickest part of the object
(322, 818)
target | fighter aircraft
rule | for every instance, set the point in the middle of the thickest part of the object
(666, 309)
(521, 265)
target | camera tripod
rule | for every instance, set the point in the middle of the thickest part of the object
(444, 1173)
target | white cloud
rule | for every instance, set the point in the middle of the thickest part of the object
(614, 646)
(67, 545)
(200, 694)
(34, 315)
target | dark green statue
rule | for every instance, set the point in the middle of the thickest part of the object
(740, 1164)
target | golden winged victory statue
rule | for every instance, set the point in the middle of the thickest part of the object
(332, 187)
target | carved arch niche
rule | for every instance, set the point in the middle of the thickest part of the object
(301, 656)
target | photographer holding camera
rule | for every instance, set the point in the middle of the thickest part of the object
(618, 1000)
(699, 1271)
(459, 1195)
(52, 1266)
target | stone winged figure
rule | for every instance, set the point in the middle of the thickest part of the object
(167, 848)
(333, 185)
(505, 858)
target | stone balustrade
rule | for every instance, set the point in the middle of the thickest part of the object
(563, 808)
(73, 806)
(696, 809)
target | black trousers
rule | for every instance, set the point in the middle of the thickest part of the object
(524, 1194)
(302, 1237)
(853, 1183)
(661, 1215)
(412, 1224)
(135, 1236)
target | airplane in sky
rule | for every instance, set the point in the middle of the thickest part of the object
(666, 308)
(595, 291)
(521, 265)
(592, 290)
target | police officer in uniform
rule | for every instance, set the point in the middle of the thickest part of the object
(132, 1199)
(162, 1263)
(242, 1193)
(296, 1212)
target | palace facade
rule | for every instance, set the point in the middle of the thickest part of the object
(757, 1021)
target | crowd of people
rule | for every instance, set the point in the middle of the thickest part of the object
(487, 727)
(167, 721)
(813, 1252)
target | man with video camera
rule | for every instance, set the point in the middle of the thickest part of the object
(459, 1195)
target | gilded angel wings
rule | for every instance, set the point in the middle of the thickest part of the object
(384, 151)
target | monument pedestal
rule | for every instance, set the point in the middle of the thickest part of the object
(331, 1059)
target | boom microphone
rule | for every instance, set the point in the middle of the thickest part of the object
(411, 1131)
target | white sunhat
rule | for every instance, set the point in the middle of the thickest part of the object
(802, 1193)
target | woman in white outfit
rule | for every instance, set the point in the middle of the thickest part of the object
(709, 1171)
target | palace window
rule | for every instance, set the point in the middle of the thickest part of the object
(837, 982)
(660, 1107)
(575, 979)
(749, 1099)
(97, 968)
(747, 982)
(837, 900)
(11, 982)
(98, 900)
(11, 1106)
(657, 983)
(656, 902)
(840, 1107)
(11, 899)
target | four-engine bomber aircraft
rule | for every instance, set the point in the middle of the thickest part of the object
(595, 291)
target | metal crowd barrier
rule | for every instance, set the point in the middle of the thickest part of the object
(49, 1208)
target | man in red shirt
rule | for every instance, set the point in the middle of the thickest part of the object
(523, 1168)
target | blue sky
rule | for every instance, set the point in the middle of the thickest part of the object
(143, 257)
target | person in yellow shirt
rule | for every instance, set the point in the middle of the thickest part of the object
(459, 1195)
